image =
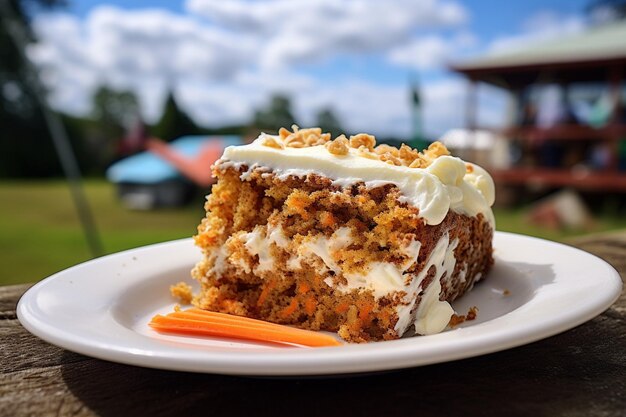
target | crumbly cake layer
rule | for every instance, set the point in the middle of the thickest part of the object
(309, 251)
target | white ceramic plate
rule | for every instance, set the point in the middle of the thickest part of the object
(101, 308)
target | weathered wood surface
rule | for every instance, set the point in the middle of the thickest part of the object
(581, 372)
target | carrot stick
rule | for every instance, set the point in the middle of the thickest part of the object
(197, 327)
(224, 325)
(231, 318)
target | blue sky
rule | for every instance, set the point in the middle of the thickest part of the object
(224, 59)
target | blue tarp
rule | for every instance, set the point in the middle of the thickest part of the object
(147, 168)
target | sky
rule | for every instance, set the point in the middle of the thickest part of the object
(224, 59)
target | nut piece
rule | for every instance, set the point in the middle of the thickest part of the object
(408, 154)
(391, 159)
(367, 153)
(435, 150)
(272, 142)
(339, 146)
(419, 163)
(363, 139)
(384, 148)
(301, 138)
(283, 133)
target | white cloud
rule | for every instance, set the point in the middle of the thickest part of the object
(226, 63)
(540, 26)
(139, 50)
(314, 30)
(422, 53)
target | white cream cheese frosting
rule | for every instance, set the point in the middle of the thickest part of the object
(444, 185)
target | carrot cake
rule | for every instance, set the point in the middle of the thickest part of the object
(343, 235)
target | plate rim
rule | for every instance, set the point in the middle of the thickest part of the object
(291, 362)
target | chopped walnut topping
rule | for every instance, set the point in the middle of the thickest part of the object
(435, 150)
(419, 163)
(339, 146)
(364, 144)
(294, 143)
(390, 158)
(283, 133)
(363, 139)
(301, 138)
(367, 153)
(408, 154)
(273, 142)
(384, 148)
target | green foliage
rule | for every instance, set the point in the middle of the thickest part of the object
(26, 146)
(327, 120)
(174, 122)
(278, 114)
(114, 110)
(113, 113)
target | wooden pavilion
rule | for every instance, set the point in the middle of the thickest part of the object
(596, 56)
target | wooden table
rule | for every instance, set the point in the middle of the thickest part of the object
(581, 372)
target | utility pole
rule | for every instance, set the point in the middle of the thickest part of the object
(418, 140)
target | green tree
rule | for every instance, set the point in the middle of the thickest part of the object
(114, 110)
(26, 146)
(112, 115)
(276, 115)
(174, 121)
(327, 120)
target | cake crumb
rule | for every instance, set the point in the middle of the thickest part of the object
(182, 291)
(506, 292)
(472, 313)
(456, 319)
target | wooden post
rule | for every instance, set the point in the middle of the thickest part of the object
(616, 74)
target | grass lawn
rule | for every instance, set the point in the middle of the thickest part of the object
(40, 233)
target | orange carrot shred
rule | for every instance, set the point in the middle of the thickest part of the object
(310, 304)
(304, 287)
(365, 310)
(290, 309)
(265, 292)
(342, 307)
(200, 322)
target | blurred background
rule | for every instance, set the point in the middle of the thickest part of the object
(111, 112)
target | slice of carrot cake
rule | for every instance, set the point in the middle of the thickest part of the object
(342, 235)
